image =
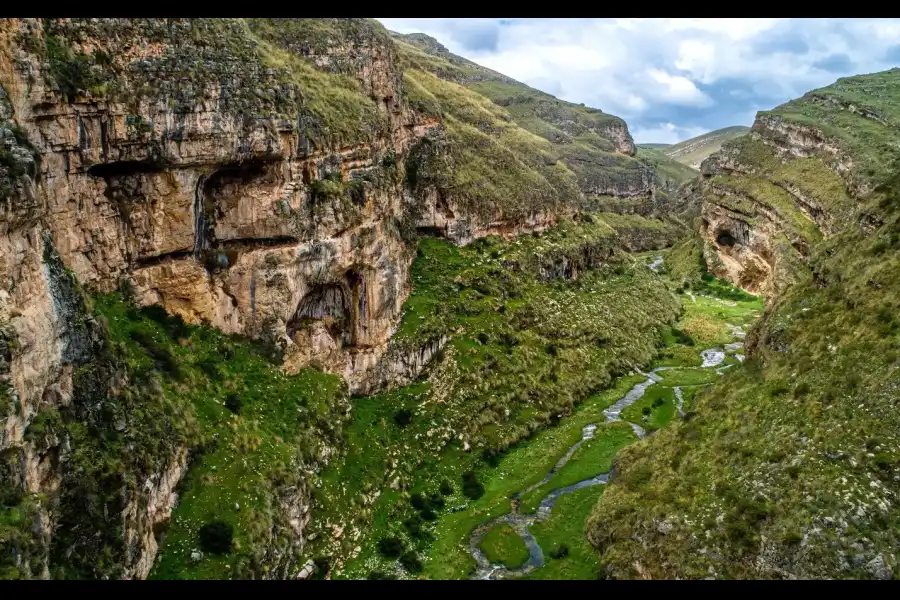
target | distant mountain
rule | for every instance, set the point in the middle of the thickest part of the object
(694, 151)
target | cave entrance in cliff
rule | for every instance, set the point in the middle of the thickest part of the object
(341, 307)
(724, 238)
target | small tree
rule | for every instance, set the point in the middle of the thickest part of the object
(216, 537)
(446, 487)
(411, 562)
(472, 488)
(390, 547)
(403, 417)
(233, 403)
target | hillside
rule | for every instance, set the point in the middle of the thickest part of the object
(231, 246)
(559, 154)
(788, 466)
(694, 151)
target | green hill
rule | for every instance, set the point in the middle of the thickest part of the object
(694, 151)
(789, 466)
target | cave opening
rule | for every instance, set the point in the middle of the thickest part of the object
(342, 307)
(724, 238)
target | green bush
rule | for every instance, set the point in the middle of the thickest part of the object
(403, 417)
(411, 562)
(418, 501)
(390, 547)
(216, 537)
(323, 566)
(446, 487)
(560, 551)
(380, 575)
(233, 403)
(472, 488)
(160, 354)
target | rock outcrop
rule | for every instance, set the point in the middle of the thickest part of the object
(788, 467)
(249, 175)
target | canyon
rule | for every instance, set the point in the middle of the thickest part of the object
(286, 278)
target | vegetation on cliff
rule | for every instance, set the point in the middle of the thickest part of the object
(789, 466)
(529, 341)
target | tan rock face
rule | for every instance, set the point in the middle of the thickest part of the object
(241, 223)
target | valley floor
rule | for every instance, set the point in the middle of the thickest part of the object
(522, 513)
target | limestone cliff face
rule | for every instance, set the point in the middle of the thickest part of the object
(222, 200)
(767, 197)
(248, 175)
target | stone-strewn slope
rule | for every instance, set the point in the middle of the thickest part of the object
(789, 467)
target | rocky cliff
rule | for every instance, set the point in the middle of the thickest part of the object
(787, 468)
(261, 177)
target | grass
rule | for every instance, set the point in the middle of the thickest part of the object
(661, 402)
(671, 174)
(592, 458)
(692, 152)
(678, 377)
(255, 453)
(790, 461)
(565, 527)
(514, 150)
(502, 545)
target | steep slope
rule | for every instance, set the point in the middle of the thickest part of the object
(516, 151)
(265, 181)
(694, 151)
(789, 467)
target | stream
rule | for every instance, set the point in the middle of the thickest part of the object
(712, 359)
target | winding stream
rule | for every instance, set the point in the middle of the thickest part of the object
(712, 359)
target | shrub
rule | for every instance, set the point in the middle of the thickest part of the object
(492, 457)
(657, 403)
(233, 403)
(801, 390)
(209, 368)
(472, 488)
(411, 562)
(483, 338)
(418, 501)
(646, 411)
(551, 349)
(429, 515)
(413, 526)
(436, 501)
(376, 575)
(216, 537)
(323, 565)
(160, 354)
(446, 487)
(390, 547)
(403, 417)
(560, 551)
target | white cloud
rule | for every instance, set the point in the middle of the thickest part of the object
(695, 73)
(679, 90)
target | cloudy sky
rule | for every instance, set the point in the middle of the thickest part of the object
(671, 79)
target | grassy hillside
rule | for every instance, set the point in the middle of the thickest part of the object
(670, 174)
(526, 347)
(790, 466)
(512, 146)
(694, 151)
